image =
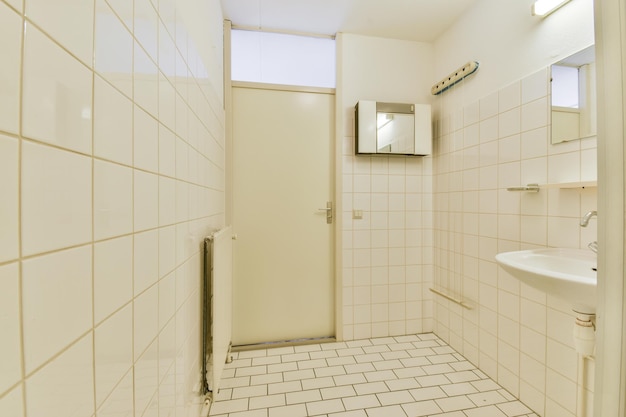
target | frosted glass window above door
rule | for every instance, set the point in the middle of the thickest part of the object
(277, 58)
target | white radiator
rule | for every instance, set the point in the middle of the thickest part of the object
(217, 317)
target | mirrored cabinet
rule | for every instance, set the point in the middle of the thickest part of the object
(392, 128)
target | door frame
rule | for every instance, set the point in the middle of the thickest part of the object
(336, 158)
(610, 378)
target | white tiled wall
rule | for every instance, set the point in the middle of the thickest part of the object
(111, 174)
(515, 334)
(386, 265)
(386, 255)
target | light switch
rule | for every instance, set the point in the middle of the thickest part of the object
(357, 214)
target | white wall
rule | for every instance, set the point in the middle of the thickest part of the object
(112, 171)
(385, 258)
(492, 132)
(509, 43)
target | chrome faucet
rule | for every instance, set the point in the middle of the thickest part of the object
(584, 222)
(585, 219)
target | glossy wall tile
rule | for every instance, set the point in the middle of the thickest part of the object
(114, 59)
(9, 205)
(57, 95)
(385, 252)
(56, 191)
(146, 144)
(112, 124)
(10, 35)
(113, 276)
(517, 335)
(98, 259)
(113, 352)
(113, 200)
(53, 316)
(70, 374)
(10, 359)
(70, 23)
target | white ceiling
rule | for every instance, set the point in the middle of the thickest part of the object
(418, 20)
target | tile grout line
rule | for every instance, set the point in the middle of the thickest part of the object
(93, 247)
(20, 276)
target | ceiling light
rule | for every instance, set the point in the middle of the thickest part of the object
(545, 7)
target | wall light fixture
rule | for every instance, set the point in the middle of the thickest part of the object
(545, 7)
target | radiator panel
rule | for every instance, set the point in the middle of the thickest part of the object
(217, 320)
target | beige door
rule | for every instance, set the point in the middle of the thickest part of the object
(283, 285)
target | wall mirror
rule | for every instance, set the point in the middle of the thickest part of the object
(573, 92)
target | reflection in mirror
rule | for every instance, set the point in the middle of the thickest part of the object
(573, 109)
(395, 133)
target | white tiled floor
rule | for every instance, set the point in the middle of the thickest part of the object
(406, 376)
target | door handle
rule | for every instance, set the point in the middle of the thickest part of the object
(329, 212)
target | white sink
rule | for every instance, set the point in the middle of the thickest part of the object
(568, 274)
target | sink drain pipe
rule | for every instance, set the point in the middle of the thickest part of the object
(584, 343)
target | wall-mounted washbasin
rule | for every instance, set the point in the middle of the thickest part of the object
(568, 274)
